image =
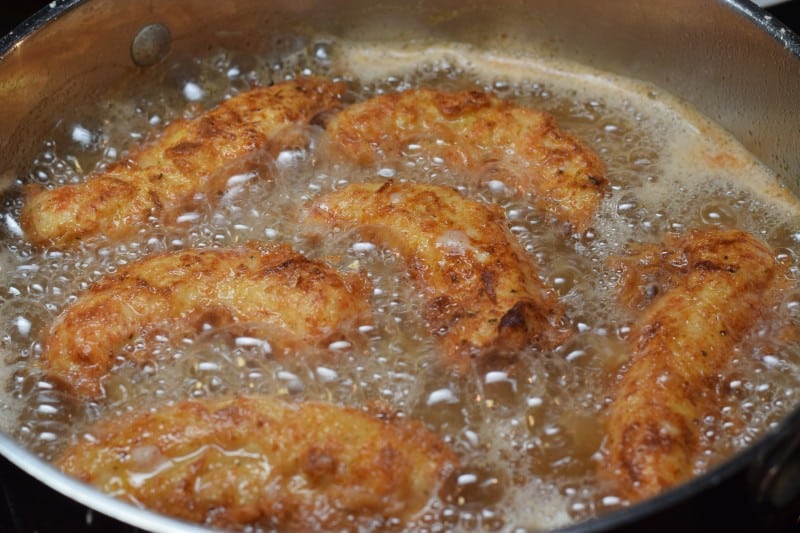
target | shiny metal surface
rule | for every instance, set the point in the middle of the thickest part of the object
(735, 64)
(728, 58)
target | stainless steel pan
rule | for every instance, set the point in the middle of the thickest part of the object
(728, 58)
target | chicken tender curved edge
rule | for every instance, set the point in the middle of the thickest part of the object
(233, 461)
(484, 302)
(470, 129)
(307, 302)
(158, 179)
(718, 284)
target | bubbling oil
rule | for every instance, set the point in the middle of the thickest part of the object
(529, 435)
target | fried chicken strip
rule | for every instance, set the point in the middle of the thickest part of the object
(263, 461)
(719, 285)
(473, 130)
(483, 298)
(308, 301)
(162, 177)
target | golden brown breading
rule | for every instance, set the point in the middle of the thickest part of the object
(161, 178)
(472, 129)
(259, 283)
(717, 286)
(263, 461)
(483, 297)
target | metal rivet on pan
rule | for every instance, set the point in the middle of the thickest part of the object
(150, 45)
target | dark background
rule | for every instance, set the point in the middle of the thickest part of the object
(15, 11)
(789, 14)
(27, 506)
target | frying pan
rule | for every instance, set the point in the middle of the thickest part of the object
(728, 58)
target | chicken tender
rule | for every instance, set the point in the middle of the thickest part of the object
(160, 179)
(483, 297)
(474, 130)
(262, 461)
(719, 285)
(252, 283)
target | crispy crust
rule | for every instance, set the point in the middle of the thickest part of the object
(472, 129)
(263, 461)
(162, 177)
(308, 301)
(717, 285)
(483, 297)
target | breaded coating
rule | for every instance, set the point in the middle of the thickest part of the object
(483, 297)
(307, 301)
(475, 131)
(716, 287)
(262, 461)
(163, 177)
